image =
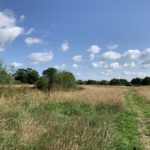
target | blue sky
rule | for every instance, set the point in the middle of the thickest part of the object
(94, 39)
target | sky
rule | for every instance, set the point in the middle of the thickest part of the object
(93, 39)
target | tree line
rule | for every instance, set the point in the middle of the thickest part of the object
(135, 81)
(51, 78)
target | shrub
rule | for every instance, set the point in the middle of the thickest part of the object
(52, 79)
(65, 80)
(5, 77)
(42, 83)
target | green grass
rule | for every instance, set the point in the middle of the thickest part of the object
(144, 105)
(68, 125)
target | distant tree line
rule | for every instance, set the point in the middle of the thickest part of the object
(51, 78)
(114, 81)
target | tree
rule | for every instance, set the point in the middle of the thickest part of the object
(104, 82)
(146, 81)
(65, 80)
(32, 76)
(115, 81)
(26, 75)
(50, 73)
(5, 77)
(53, 79)
(136, 81)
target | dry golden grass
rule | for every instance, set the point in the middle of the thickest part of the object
(108, 95)
(90, 94)
(31, 131)
(144, 91)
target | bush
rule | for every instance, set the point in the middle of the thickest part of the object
(42, 83)
(5, 77)
(65, 80)
(52, 79)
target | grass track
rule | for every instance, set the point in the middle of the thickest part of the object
(141, 106)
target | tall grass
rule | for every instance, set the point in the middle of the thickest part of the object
(71, 120)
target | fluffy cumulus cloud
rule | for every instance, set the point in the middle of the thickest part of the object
(112, 46)
(132, 54)
(77, 58)
(32, 41)
(93, 50)
(115, 65)
(41, 57)
(16, 65)
(145, 58)
(111, 55)
(65, 46)
(9, 31)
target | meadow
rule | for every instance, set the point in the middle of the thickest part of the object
(88, 118)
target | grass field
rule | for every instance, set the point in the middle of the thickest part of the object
(92, 118)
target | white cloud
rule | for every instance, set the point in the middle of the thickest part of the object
(112, 46)
(97, 64)
(22, 17)
(111, 55)
(114, 65)
(132, 54)
(94, 49)
(29, 31)
(8, 29)
(9, 34)
(136, 74)
(75, 66)
(7, 19)
(77, 58)
(132, 64)
(32, 41)
(16, 65)
(41, 57)
(65, 46)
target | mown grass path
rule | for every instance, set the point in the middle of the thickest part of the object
(141, 106)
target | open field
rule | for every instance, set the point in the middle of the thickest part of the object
(93, 118)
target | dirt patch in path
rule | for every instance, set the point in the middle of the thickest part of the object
(145, 138)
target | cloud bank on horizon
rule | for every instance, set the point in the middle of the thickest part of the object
(93, 60)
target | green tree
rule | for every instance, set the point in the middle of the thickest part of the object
(50, 73)
(26, 75)
(136, 81)
(5, 77)
(65, 80)
(146, 81)
(115, 81)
